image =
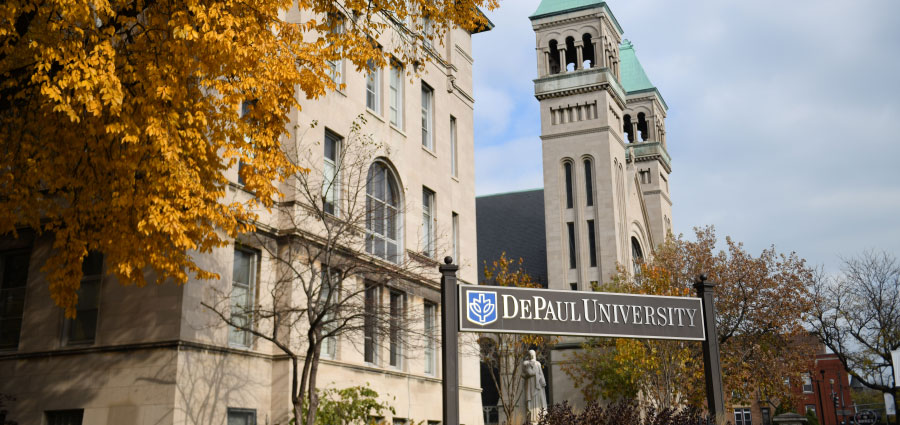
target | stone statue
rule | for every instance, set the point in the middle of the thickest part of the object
(535, 399)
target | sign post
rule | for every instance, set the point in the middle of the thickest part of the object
(449, 342)
(712, 367)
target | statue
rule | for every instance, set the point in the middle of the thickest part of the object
(535, 399)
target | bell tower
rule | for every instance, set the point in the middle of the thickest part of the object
(583, 145)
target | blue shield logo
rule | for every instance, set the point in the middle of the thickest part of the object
(481, 307)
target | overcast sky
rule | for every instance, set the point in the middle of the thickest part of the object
(783, 116)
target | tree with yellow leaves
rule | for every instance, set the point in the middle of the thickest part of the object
(760, 304)
(119, 119)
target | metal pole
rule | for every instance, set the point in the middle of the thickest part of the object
(821, 403)
(834, 401)
(449, 341)
(712, 367)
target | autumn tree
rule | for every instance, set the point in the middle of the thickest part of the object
(119, 119)
(856, 314)
(760, 303)
(503, 354)
(325, 286)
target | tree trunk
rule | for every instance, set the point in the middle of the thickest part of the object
(300, 393)
(313, 396)
(295, 400)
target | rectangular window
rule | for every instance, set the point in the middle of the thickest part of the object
(455, 237)
(245, 110)
(83, 328)
(396, 95)
(13, 277)
(370, 317)
(430, 338)
(569, 181)
(64, 417)
(766, 415)
(329, 288)
(573, 286)
(572, 253)
(373, 87)
(592, 242)
(811, 408)
(336, 64)
(807, 383)
(742, 416)
(588, 183)
(241, 416)
(330, 178)
(428, 219)
(396, 325)
(427, 117)
(454, 168)
(243, 290)
(399, 421)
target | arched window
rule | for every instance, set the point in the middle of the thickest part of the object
(642, 127)
(589, 182)
(383, 222)
(587, 53)
(637, 255)
(627, 129)
(570, 182)
(554, 58)
(571, 54)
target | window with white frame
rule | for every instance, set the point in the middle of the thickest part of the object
(246, 107)
(373, 87)
(241, 416)
(454, 168)
(396, 95)
(370, 324)
(807, 383)
(742, 416)
(243, 290)
(427, 117)
(428, 219)
(336, 63)
(330, 178)
(430, 338)
(396, 325)
(13, 278)
(83, 328)
(328, 291)
(383, 221)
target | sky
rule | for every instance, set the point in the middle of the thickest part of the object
(783, 122)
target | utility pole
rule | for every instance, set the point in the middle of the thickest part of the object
(449, 342)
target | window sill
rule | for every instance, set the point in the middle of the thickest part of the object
(430, 152)
(398, 130)
(422, 258)
(454, 178)
(374, 114)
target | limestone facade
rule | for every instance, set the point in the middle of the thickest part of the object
(159, 357)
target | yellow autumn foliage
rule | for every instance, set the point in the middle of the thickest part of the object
(119, 119)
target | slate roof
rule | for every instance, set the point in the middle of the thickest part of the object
(633, 76)
(553, 7)
(514, 223)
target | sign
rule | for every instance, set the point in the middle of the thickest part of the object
(895, 355)
(889, 407)
(866, 417)
(501, 309)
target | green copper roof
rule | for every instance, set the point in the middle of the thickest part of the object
(633, 76)
(552, 7)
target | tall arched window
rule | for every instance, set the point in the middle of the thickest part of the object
(637, 255)
(570, 181)
(554, 58)
(383, 222)
(588, 52)
(588, 182)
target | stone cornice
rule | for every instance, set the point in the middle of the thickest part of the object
(659, 192)
(575, 133)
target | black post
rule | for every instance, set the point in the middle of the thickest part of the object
(712, 367)
(449, 341)
(819, 390)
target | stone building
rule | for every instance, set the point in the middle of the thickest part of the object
(605, 200)
(154, 355)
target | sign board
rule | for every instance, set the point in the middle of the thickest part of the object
(889, 407)
(866, 417)
(501, 309)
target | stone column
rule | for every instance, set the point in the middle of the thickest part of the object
(562, 60)
(596, 62)
(579, 57)
(546, 67)
(602, 55)
(634, 130)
